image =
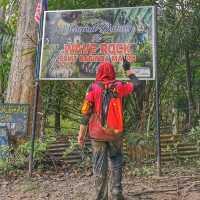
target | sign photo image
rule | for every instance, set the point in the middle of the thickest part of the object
(76, 41)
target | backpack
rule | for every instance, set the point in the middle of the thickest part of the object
(111, 109)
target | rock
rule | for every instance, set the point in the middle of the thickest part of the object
(44, 195)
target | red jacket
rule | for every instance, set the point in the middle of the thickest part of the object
(106, 75)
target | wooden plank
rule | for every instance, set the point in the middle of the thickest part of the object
(169, 158)
(58, 145)
(179, 145)
(71, 157)
(187, 148)
(167, 136)
(168, 142)
(179, 153)
(57, 149)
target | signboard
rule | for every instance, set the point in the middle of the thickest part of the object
(3, 136)
(3, 141)
(76, 41)
(15, 118)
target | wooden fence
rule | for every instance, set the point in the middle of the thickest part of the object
(173, 148)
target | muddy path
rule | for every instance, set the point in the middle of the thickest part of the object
(79, 186)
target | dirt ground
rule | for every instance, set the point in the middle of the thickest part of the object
(79, 186)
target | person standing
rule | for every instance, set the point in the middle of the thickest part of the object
(98, 113)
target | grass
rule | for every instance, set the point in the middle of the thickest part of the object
(67, 126)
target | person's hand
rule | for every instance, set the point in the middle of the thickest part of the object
(126, 65)
(130, 72)
(81, 139)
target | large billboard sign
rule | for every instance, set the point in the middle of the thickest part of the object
(76, 41)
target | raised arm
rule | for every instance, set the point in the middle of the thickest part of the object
(130, 73)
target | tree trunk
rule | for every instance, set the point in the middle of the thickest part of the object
(57, 122)
(189, 87)
(57, 118)
(2, 17)
(174, 120)
(21, 78)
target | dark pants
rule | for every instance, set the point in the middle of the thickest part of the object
(102, 152)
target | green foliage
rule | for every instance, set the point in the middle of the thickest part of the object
(7, 33)
(141, 171)
(194, 134)
(17, 159)
(73, 4)
(5, 165)
(4, 73)
(39, 151)
(141, 139)
(73, 145)
(64, 97)
(178, 36)
(67, 126)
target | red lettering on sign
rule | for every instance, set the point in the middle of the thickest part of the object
(77, 48)
(116, 48)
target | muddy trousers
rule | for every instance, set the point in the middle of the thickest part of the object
(103, 152)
